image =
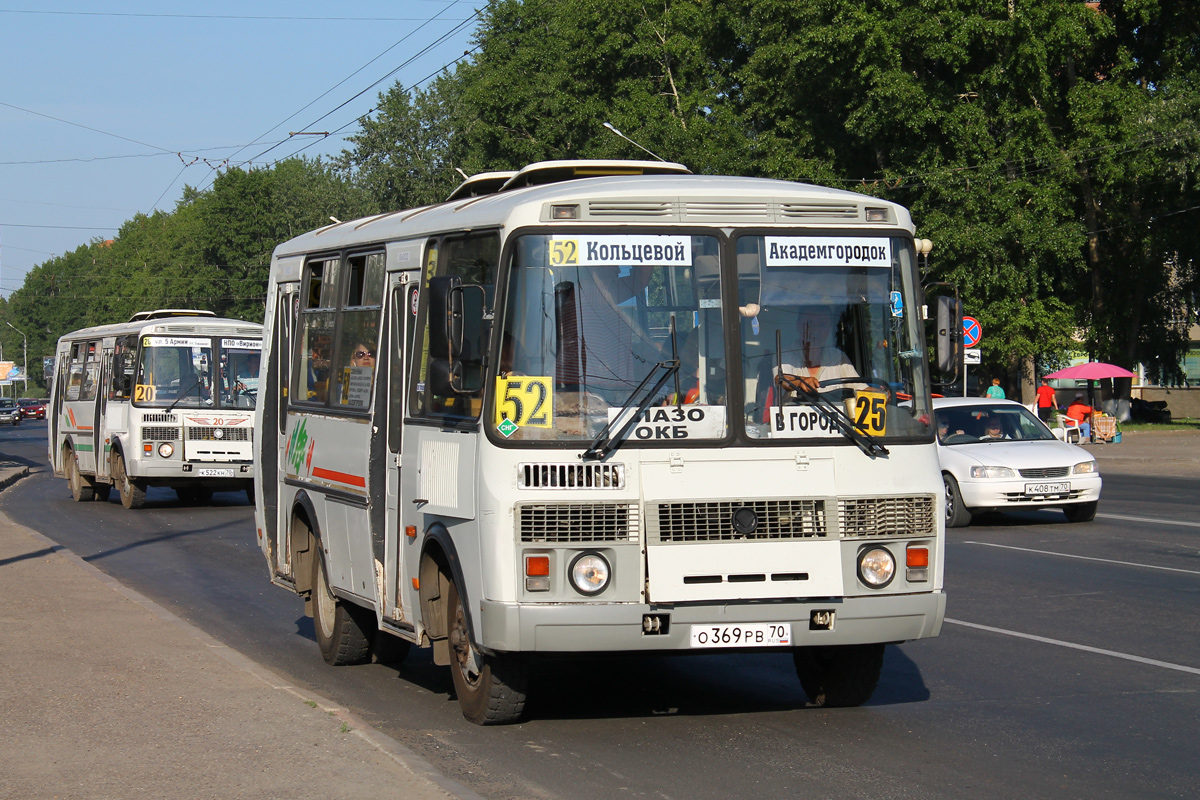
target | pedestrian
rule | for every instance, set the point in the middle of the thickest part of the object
(1047, 403)
(1081, 412)
(995, 391)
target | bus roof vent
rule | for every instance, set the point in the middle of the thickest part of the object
(480, 185)
(821, 210)
(166, 313)
(544, 172)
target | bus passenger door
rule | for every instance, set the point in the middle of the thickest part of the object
(100, 432)
(273, 405)
(401, 301)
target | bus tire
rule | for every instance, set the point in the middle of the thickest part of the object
(81, 487)
(132, 491)
(491, 689)
(957, 515)
(1081, 512)
(835, 676)
(341, 639)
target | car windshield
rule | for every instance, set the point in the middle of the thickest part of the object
(988, 423)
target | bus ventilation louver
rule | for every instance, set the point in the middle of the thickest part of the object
(167, 419)
(571, 476)
(616, 208)
(887, 516)
(577, 523)
(713, 521)
(818, 210)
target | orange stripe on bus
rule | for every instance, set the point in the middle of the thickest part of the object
(340, 477)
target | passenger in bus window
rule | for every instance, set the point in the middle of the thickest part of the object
(356, 377)
(363, 355)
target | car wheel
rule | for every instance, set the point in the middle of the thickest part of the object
(957, 515)
(491, 689)
(132, 491)
(1081, 512)
(81, 487)
(839, 675)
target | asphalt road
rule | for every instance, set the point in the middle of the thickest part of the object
(1069, 665)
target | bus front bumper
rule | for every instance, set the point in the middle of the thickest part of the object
(621, 627)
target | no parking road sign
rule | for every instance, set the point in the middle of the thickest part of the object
(972, 332)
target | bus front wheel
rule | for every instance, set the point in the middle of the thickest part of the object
(81, 487)
(491, 688)
(839, 675)
(339, 636)
(132, 491)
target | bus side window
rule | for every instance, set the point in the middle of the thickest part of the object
(91, 370)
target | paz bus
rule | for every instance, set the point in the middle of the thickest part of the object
(581, 408)
(165, 399)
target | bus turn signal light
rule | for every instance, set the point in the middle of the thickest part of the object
(537, 573)
(917, 561)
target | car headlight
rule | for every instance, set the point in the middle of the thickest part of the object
(166, 450)
(876, 567)
(992, 472)
(590, 573)
(1086, 468)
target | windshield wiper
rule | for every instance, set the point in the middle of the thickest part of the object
(195, 385)
(842, 421)
(604, 444)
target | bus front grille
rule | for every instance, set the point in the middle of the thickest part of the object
(160, 434)
(714, 521)
(570, 476)
(887, 516)
(574, 523)
(218, 434)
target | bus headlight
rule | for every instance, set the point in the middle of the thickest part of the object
(590, 573)
(876, 567)
(166, 450)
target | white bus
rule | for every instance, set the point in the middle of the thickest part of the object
(166, 399)
(582, 408)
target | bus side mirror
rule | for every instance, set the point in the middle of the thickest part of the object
(453, 369)
(949, 334)
(445, 317)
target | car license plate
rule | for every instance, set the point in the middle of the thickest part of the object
(215, 472)
(754, 634)
(1047, 488)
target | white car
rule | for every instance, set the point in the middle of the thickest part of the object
(998, 456)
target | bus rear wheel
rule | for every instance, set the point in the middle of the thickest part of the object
(491, 689)
(132, 491)
(340, 637)
(81, 487)
(836, 676)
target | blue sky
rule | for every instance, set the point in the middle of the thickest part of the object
(108, 108)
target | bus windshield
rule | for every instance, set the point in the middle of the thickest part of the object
(589, 317)
(197, 372)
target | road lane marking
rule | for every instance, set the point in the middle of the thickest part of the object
(1086, 558)
(1059, 642)
(1151, 520)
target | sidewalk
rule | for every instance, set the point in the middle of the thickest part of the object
(1159, 453)
(108, 695)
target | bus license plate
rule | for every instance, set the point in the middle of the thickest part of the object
(1047, 488)
(754, 634)
(215, 472)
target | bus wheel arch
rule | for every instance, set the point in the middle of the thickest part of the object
(339, 627)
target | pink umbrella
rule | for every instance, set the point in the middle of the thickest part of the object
(1091, 371)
